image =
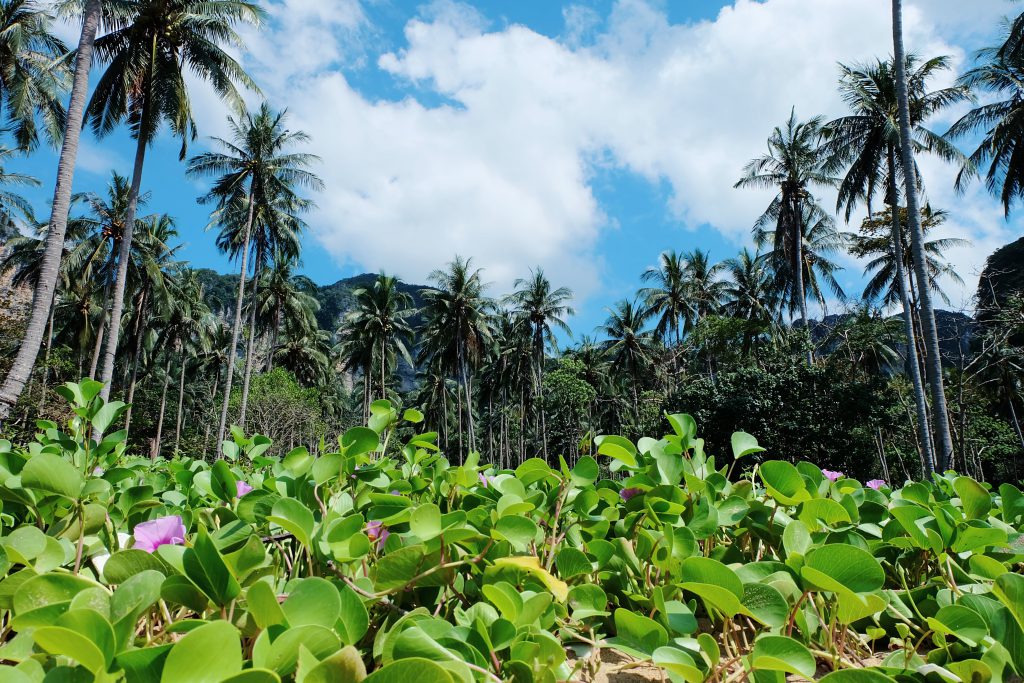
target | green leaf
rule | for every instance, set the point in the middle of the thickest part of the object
(298, 461)
(223, 481)
(413, 669)
(519, 531)
(354, 621)
(531, 565)
(52, 474)
(398, 568)
(765, 603)
(572, 562)
(781, 653)
(837, 566)
(282, 655)
(412, 415)
(125, 564)
(1009, 588)
(744, 444)
(107, 414)
(975, 499)
(262, 602)
(344, 666)
(207, 654)
(360, 440)
(637, 635)
(295, 518)
(783, 482)
(206, 568)
(959, 622)
(425, 522)
(312, 601)
(856, 676)
(679, 665)
(585, 472)
(254, 676)
(81, 634)
(618, 448)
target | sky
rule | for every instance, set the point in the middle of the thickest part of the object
(584, 138)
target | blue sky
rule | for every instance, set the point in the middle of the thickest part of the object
(582, 137)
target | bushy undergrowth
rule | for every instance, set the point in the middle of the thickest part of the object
(384, 561)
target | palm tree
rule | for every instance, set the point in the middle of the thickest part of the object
(668, 299)
(457, 327)
(154, 269)
(49, 270)
(149, 47)
(1001, 75)
(282, 297)
(819, 240)
(630, 347)
(793, 166)
(103, 230)
(307, 355)
(703, 288)
(380, 317)
(750, 294)
(868, 142)
(32, 75)
(943, 435)
(257, 169)
(875, 242)
(13, 207)
(543, 310)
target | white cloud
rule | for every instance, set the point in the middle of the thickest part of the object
(498, 164)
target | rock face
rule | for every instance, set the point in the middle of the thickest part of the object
(1002, 278)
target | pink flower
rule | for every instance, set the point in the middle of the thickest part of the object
(242, 488)
(97, 471)
(831, 475)
(629, 493)
(485, 481)
(376, 531)
(161, 531)
(876, 484)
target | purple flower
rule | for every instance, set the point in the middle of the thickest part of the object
(876, 484)
(629, 493)
(97, 471)
(161, 531)
(485, 481)
(242, 488)
(394, 493)
(376, 531)
(831, 475)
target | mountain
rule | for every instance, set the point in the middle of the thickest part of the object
(334, 300)
(956, 331)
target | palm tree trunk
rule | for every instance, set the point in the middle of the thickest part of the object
(135, 364)
(46, 357)
(913, 365)
(940, 415)
(213, 397)
(163, 407)
(121, 281)
(383, 357)
(275, 339)
(42, 298)
(181, 401)
(97, 347)
(798, 245)
(235, 328)
(251, 346)
(462, 456)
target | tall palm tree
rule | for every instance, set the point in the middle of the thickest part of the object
(150, 46)
(629, 345)
(457, 327)
(1000, 75)
(49, 270)
(794, 165)
(285, 298)
(14, 208)
(380, 316)
(32, 75)
(750, 294)
(543, 309)
(668, 299)
(868, 143)
(257, 169)
(703, 287)
(307, 355)
(875, 243)
(818, 241)
(943, 434)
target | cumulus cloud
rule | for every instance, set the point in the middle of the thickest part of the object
(492, 144)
